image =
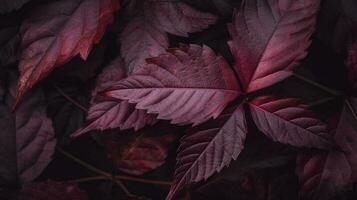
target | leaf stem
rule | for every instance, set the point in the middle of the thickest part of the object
(353, 111)
(122, 177)
(69, 98)
(321, 101)
(94, 169)
(318, 85)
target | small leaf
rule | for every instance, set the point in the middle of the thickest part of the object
(143, 151)
(269, 38)
(288, 121)
(208, 148)
(186, 85)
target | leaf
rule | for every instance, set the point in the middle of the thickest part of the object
(336, 24)
(7, 6)
(52, 190)
(207, 149)
(145, 34)
(141, 152)
(269, 38)
(109, 113)
(27, 137)
(186, 85)
(288, 121)
(57, 32)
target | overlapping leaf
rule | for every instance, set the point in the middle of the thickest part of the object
(186, 85)
(269, 38)
(57, 32)
(108, 113)
(286, 120)
(145, 34)
(208, 148)
(27, 138)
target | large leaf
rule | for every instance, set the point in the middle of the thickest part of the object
(288, 121)
(27, 138)
(325, 175)
(107, 112)
(145, 34)
(269, 38)
(186, 85)
(57, 32)
(208, 148)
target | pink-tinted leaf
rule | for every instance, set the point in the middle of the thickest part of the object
(27, 137)
(143, 151)
(7, 6)
(288, 121)
(186, 85)
(208, 148)
(57, 32)
(269, 38)
(107, 112)
(51, 190)
(145, 34)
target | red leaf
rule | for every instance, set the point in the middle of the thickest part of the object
(28, 141)
(288, 121)
(145, 34)
(186, 85)
(208, 148)
(57, 32)
(269, 38)
(51, 190)
(140, 152)
(107, 112)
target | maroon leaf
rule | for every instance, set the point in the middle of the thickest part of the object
(7, 6)
(186, 85)
(145, 34)
(208, 148)
(27, 137)
(57, 32)
(107, 112)
(288, 121)
(140, 152)
(52, 190)
(269, 38)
